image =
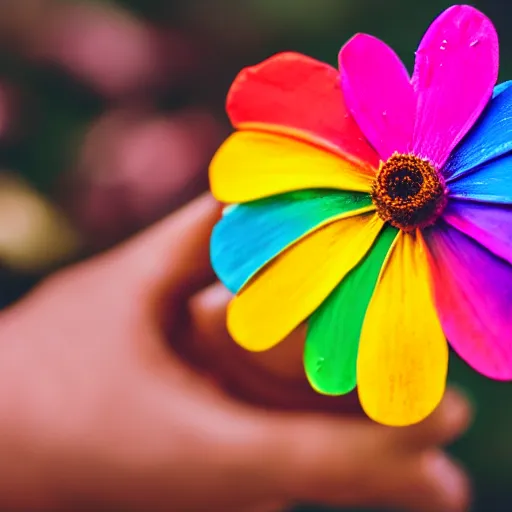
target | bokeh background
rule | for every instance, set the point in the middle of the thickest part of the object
(111, 110)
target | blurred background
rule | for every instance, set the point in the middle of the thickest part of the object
(111, 110)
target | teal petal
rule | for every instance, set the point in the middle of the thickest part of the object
(332, 342)
(250, 235)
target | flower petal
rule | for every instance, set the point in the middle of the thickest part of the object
(403, 354)
(490, 138)
(473, 290)
(379, 94)
(488, 224)
(501, 88)
(288, 290)
(455, 73)
(252, 234)
(290, 90)
(332, 341)
(490, 183)
(253, 165)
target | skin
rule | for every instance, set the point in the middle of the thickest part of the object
(116, 393)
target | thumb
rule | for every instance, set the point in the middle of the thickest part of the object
(342, 462)
(172, 257)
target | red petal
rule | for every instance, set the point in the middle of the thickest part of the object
(295, 93)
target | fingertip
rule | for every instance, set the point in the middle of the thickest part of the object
(425, 482)
(352, 463)
(452, 418)
(208, 311)
(448, 481)
(458, 411)
(449, 421)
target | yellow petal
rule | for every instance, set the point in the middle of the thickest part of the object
(292, 287)
(403, 354)
(253, 165)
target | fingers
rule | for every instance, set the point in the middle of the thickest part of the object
(452, 417)
(274, 378)
(354, 462)
(424, 482)
(267, 507)
(334, 461)
(173, 255)
(209, 314)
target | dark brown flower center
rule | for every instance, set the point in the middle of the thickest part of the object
(408, 192)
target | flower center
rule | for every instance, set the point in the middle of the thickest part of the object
(408, 192)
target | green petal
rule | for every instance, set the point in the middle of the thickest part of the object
(332, 341)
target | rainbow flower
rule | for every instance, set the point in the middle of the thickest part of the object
(377, 208)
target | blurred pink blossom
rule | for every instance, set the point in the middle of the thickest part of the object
(135, 167)
(4, 111)
(9, 109)
(110, 50)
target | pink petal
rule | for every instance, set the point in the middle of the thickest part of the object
(487, 223)
(378, 93)
(456, 70)
(473, 292)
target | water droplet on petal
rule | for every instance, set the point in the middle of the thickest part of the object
(426, 77)
(474, 43)
(385, 113)
(443, 44)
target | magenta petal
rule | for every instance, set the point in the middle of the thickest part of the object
(473, 292)
(378, 93)
(487, 223)
(455, 73)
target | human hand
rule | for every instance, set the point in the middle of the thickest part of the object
(101, 410)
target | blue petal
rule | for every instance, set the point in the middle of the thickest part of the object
(250, 235)
(490, 183)
(501, 88)
(490, 138)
